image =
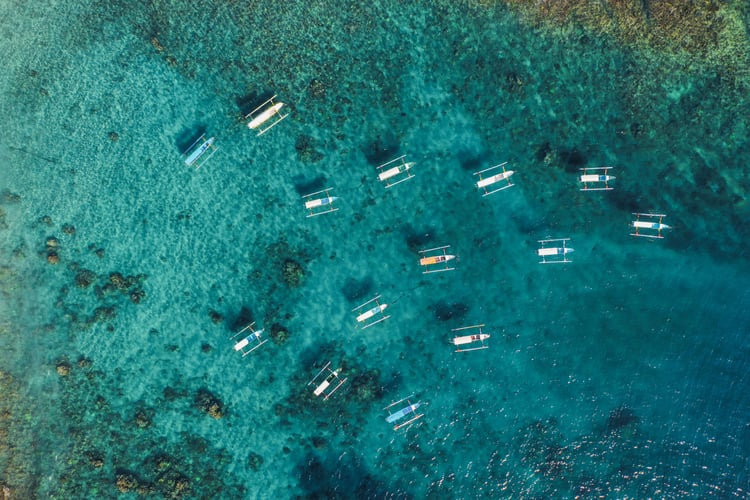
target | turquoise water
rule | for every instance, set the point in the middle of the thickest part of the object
(622, 374)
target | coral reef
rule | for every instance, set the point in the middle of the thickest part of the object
(63, 368)
(620, 418)
(143, 417)
(445, 311)
(366, 386)
(7, 196)
(306, 150)
(107, 288)
(293, 273)
(254, 461)
(18, 469)
(51, 248)
(126, 481)
(279, 334)
(209, 403)
(707, 32)
(85, 278)
(216, 317)
(120, 451)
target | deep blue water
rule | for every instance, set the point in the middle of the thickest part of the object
(622, 374)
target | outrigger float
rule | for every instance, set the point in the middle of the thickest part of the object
(320, 206)
(367, 318)
(468, 340)
(429, 259)
(253, 339)
(325, 388)
(269, 111)
(409, 411)
(652, 222)
(557, 254)
(399, 170)
(596, 180)
(195, 155)
(492, 179)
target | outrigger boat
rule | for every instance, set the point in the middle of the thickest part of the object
(428, 260)
(374, 312)
(459, 341)
(596, 179)
(266, 112)
(398, 171)
(324, 388)
(195, 155)
(650, 224)
(252, 339)
(557, 254)
(406, 411)
(320, 206)
(491, 180)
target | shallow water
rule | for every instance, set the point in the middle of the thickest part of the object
(620, 374)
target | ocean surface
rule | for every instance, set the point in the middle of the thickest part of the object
(125, 273)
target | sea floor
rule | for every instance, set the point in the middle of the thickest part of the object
(125, 273)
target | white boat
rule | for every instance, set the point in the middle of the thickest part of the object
(320, 206)
(485, 182)
(252, 339)
(395, 171)
(369, 314)
(268, 111)
(466, 340)
(598, 181)
(650, 222)
(555, 254)
(326, 388)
